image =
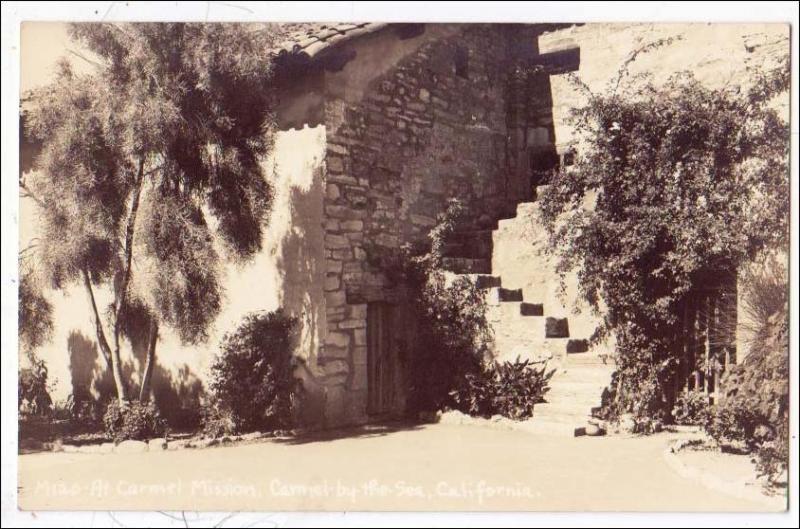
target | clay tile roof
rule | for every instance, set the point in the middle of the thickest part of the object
(309, 39)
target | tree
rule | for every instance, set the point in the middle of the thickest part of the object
(146, 162)
(687, 181)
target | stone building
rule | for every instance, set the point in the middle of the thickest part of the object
(413, 115)
(379, 126)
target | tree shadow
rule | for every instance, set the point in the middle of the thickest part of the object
(177, 394)
(301, 268)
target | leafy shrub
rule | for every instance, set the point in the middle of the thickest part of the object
(253, 386)
(450, 344)
(772, 457)
(667, 181)
(35, 313)
(735, 424)
(33, 389)
(218, 421)
(451, 330)
(510, 389)
(691, 409)
(754, 411)
(135, 420)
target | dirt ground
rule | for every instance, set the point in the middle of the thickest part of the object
(432, 467)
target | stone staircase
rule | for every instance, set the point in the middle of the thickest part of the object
(530, 320)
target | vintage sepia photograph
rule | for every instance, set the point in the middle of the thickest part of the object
(528, 265)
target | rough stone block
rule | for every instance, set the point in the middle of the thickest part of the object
(556, 328)
(335, 299)
(333, 267)
(335, 164)
(332, 192)
(360, 337)
(131, 447)
(357, 310)
(360, 354)
(358, 380)
(353, 324)
(337, 339)
(334, 367)
(342, 254)
(352, 225)
(334, 241)
(154, 445)
(330, 352)
(332, 282)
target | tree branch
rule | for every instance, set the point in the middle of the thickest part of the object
(29, 194)
(101, 335)
(147, 374)
(129, 232)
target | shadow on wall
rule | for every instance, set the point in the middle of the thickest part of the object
(300, 266)
(177, 394)
(91, 379)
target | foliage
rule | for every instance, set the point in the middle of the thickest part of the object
(510, 389)
(253, 386)
(691, 409)
(34, 311)
(218, 421)
(170, 126)
(138, 421)
(451, 331)
(669, 182)
(765, 293)
(736, 423)
(33, 390)
(754, 410)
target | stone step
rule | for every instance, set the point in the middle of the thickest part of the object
(556, 327)
(463, 265)
(531, 309)
(482, 281)
(504, 295)
(584, 371)
(591, 359)
(599, 378)
(475, 244)
(485, 281)
(590, 396)
(525, 209)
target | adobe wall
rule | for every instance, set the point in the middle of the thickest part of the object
(287, 273)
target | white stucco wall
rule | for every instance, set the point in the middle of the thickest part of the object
(294, 171)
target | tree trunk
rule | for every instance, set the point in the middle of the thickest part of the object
(111, 356)
(147, 375)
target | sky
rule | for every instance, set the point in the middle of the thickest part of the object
(41, 45)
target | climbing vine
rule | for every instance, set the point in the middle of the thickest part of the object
(669, 182)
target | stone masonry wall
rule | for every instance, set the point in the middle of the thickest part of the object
(425, 130)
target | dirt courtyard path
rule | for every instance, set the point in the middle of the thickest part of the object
(433, 467)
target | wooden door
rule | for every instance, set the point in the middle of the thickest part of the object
(381, 360)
